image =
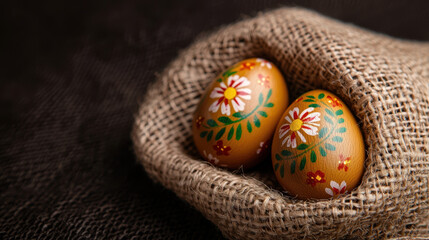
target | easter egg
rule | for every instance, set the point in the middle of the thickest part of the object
(318, 149)
(236, 117)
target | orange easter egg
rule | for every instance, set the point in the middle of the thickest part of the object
(318, 149)
(235, 120)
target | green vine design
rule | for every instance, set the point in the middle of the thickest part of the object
(322, 146)
(225, 122)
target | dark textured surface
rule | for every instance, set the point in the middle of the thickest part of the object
(72, 77)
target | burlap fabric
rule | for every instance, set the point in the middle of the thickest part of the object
(384, 81)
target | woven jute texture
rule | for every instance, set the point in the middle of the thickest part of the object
(384, 81)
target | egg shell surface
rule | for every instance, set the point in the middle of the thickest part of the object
(236, 117)
(318, 149)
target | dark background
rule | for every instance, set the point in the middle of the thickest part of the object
(72, 75)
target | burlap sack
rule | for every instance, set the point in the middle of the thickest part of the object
(384, 81)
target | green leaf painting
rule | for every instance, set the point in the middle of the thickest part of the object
(256, 121)
(329, 120)
(238, 114)
(337, 139)
(322, 152)
(209, 136)
(220, 134)
(231, 133)
(238, 132)
(282, 170)
(249, 127)
(286, 153)
(263, 114)
(314, 105)
(292, 167)
(323, 132)
(313, 157)
(302, 164)
(212, 123)
(226, 120)
(268, 95)
(330, 147)
(342, 130)
(302, 146)
(330, 112)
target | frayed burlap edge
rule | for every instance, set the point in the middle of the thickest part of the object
(384, 81)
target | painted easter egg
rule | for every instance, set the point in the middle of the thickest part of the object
(235, 120)
(318, 149)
